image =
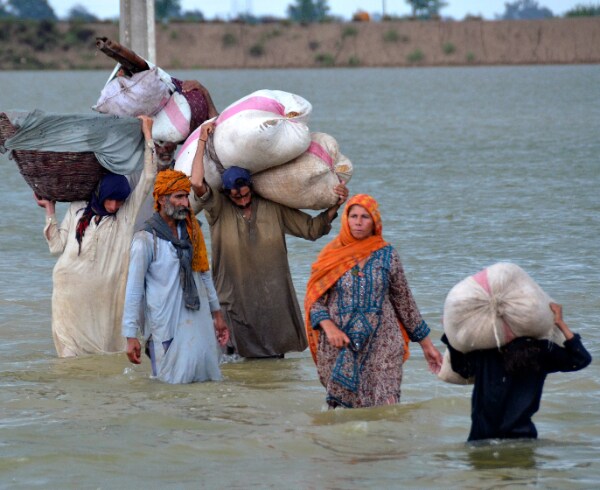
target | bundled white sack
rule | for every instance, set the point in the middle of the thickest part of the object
(307, 182)
(495, 306)
(172, 123)
(145, 93)
(185, 158)
(448, 375)
(262, 130)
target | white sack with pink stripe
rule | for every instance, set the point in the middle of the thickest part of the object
(262, 130)
(496, 305)
(172, 123)
(307, 182)
(185, 159)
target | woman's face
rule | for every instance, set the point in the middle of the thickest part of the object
(360, 222)
(112, 205)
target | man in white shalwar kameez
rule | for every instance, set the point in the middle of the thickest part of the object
(170, 295)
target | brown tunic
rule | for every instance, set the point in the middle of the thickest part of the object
(252, 274)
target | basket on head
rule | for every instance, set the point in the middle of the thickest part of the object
(58, 176)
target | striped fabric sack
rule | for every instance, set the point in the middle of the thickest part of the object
(307, 182)
(496, 305)
(172, 123)
(262, 130)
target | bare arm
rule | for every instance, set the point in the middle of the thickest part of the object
(432, 355)
(197, 178)
(559, 322)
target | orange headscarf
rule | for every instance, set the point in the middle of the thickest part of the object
(167, 182)
(339, 256)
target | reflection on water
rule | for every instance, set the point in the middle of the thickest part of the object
(470, 165)
(487, 456)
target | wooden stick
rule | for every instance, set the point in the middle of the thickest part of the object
(125, 56)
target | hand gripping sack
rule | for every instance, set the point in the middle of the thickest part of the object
(172, 123)
(185, 159)
(495, 306)
(262, 130)
(307, 182)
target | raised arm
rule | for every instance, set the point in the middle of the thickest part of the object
(342, 191)
(197, 177)
(559, 322)
(55, 235)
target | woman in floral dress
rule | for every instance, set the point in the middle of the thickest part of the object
(358, 297)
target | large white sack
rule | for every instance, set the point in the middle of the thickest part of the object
(185, 158)
(172, 123)
(142, 94)
(495, 306)
(307, 182)
(262, 130)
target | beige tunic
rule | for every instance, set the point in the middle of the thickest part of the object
(251, 271)
(89, 288)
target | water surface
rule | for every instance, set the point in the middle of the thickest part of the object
(471, 166)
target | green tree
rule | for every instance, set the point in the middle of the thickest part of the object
(306, 11)
(193, 15)
(525, 10)
(31, 9)
(79, 13)
(581, 10)
(167, 9)
(426, 9)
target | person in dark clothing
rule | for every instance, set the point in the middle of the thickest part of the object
(509, 381)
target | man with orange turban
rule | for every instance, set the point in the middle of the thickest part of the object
(170, 294)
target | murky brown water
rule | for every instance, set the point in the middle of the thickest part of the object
(471, 166)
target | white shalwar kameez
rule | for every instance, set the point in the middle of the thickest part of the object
(154, 305)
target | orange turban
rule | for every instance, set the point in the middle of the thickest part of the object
(168, 182)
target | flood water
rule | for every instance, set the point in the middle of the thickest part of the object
(470, 165)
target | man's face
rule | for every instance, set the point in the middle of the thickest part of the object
(241, 197)
(176, 205)
(165, 153)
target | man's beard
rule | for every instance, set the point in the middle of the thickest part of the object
(244, 206)
(178, 213)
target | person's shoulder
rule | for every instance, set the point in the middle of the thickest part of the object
(142, 237)
(77, 205)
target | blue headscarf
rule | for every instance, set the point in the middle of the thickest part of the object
(111, 186)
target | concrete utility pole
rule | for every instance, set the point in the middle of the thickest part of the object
(136, 27)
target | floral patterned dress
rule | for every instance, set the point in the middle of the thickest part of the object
(367, 304)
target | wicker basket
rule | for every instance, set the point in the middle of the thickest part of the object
(58, 176)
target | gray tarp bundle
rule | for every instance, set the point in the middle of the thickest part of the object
(117, 142)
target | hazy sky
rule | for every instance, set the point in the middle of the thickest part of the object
(456, 9)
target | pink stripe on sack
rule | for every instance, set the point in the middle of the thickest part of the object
(176, 117)
(482, 279)
(253, 104)
(317, 150)
(191, 139)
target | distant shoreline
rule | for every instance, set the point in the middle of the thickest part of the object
(67, 46)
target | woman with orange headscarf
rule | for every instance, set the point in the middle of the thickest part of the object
(360, 313)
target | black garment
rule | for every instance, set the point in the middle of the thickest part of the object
(502, 404)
